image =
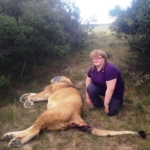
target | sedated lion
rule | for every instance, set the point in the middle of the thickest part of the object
(64, 110)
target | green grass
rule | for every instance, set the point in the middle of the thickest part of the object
(133, 116)
(102, 29)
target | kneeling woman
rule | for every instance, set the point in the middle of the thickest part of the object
(104, 79)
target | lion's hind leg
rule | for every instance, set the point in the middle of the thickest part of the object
(13, 140)
(18, 138)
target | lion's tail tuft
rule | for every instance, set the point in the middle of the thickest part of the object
(142, 134)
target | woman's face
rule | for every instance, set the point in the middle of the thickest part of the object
(98, 61)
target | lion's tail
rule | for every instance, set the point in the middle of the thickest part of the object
(98, 132)
(113, 133)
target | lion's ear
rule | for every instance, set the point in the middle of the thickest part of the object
(60, 78)
(56, 79)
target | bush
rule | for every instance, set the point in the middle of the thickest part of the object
(32, 31)
(134, 24)
(4, 81)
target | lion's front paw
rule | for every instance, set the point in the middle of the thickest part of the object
(7, 137)
(28, 104)
(14, 143)
(24, 97)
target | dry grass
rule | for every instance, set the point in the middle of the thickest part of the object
(133, 116)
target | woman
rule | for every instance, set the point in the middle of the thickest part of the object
(104, 79)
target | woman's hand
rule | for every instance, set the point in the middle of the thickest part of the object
(106, 109)
(88, 101)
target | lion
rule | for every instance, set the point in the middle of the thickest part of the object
(64, 110)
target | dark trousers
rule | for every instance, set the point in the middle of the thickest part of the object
(95, 92)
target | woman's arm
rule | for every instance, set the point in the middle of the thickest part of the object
(108, 94)
(88, 100)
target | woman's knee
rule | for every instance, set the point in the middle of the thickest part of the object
(113, 110)
(92, 89)
(114, 106)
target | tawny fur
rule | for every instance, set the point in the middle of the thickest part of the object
(63, 111)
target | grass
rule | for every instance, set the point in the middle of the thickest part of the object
(133, 116)
(102, 29)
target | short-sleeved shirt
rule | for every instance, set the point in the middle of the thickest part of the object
(109, 72)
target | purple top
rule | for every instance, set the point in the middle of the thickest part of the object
(108, 73)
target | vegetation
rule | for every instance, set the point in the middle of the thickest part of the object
(32, 31)
(133, 23)
(133, 116)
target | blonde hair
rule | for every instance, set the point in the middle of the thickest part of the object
(97, 53)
